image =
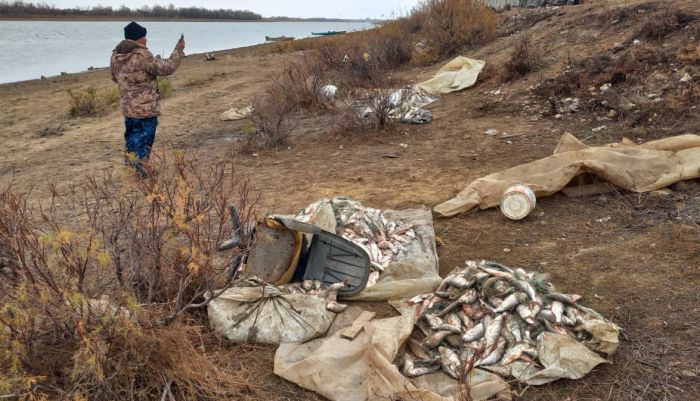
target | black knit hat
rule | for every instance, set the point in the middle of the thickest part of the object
(134, 31)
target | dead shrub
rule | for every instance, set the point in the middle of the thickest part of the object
(369, 57)
(84, 102)
(449, 25)
(659, 27)
(301, 82)
(53, 128)
(521, 62)
(272, 115)
(372, 109)
(95, 285)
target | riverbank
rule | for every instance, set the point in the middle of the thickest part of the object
(632, 256)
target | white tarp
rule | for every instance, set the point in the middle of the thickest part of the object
(639, 168)
(458, 74)
(267, 314)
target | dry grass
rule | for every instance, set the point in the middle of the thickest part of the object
(97, 286)
(84, 102)
(449, 25)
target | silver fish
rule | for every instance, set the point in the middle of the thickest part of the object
(450, 328)
(410, 370)
(450, 362)
(417, 349)
(495, 272)
(453, 319)
(557, 310)
(492, 331)
(547, 315)
(511, 302)
(468, 297)
(435, 339)
(460, 282)
(433, 321)
(515, 352)
(525, 313)
(495, 355)
(474, 333)
(569, 299)
(527, 288)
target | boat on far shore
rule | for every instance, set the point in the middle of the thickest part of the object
(278, 38)
(328, 33)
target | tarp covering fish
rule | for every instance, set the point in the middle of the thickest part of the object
(261, 313)
(458, 74)
(638, 168)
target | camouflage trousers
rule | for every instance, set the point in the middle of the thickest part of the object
(139, 136)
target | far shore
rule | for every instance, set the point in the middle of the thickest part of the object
(165, 19)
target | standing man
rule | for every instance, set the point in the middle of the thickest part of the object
(135, 71)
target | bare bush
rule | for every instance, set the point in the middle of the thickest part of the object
(94, 285)
(659, 27)
(521, 62)
(84, 102)
(272, 116)
(301, 82)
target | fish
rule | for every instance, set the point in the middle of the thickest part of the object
(474, 333)
(450, 328)
(474, 312)
(468, 297)
(453, 319)
(511, 301)
(418, 299)
(525, 313)
(570, 299)
(547, 315)
(528, 289)
(335, 307)
(573, 314)
(411, 370)
(460, 282)
(495, 355)
(557, 310)
(435, 339)
(516, 352)
(467, 323)
(450, 362)
(433, 321)
(417, 349)
(495, 273)
(492, 331)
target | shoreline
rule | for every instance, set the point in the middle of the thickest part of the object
(83, 18)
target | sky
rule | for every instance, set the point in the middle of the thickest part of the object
(269, 8)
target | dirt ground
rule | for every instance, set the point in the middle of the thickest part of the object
(634, 257)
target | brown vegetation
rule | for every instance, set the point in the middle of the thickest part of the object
(95, 285)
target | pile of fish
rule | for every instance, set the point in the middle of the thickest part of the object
(383, 240)
(489, 315)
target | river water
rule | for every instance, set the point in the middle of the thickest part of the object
(30, 49)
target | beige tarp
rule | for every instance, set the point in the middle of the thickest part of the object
(638, 168)
(363, 369)
(458, 74)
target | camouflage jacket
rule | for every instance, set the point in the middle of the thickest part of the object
(135, 70)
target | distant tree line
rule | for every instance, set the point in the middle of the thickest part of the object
(20, 8)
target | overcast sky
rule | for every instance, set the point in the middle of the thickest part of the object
(270, 8)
